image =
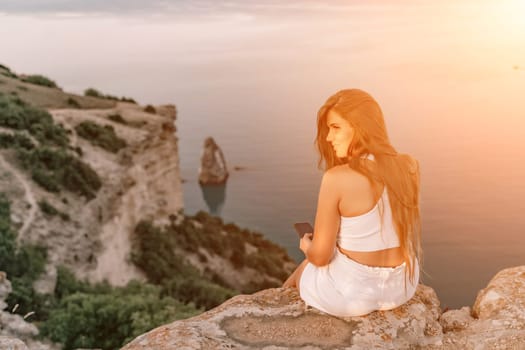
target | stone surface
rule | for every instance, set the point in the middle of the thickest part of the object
(456, 320)
(15, 325)
(213, 170)
(498, 315)
(278, 318)
(5, 289)
(504, 297)
(9, 343)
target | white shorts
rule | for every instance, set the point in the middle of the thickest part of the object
(345, 287)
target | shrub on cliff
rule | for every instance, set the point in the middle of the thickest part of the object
(15, 140)
(7, 236)
(26, 265)
(7, 72)
(23, 266)
(55, 169)
(17, 114)
(108, 320)
(150, 109)
(117, 118)
(195, 289)
(95, 93)
(154, 251)
(103, 136)
(269, 257)
(50, 210)
(72, 102)
(38, 79)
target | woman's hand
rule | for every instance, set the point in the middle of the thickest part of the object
(305, 242)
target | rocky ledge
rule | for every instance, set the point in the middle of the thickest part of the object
(278, 319)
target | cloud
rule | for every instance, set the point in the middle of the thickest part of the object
(85, 6)
(173, 7)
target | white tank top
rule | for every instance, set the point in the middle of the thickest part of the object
(365, 232)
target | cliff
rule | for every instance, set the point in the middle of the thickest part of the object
(141, 181)
(278, 319)
(134, 152)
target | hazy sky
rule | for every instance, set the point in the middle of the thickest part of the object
(173, 7)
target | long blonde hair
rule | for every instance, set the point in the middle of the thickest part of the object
(398, 172)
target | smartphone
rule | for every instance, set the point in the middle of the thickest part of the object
(302, 228)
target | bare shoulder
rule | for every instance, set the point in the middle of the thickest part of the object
(343, 176)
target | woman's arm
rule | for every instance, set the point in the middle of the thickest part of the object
(320, 250)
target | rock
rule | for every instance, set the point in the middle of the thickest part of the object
(46, 282)
(504, 296)
(498, 315)
(456, 320)
(278, 319)
(9, 343)
(5, 289)
(15, 325)
(213, 169)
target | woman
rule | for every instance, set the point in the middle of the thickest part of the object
(365, 250)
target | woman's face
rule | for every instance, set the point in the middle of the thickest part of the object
(340, 133)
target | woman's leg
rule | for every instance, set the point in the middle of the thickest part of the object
(295, 277)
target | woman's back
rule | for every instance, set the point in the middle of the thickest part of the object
(357, 198)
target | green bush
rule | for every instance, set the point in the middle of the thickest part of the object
(150, 109)
(55, 169)
(197, 290)
(117, 118)
(52, 211)
(16, 140)
(92, 92)
(16, 114)
(269, 258)
(128, 99)
(7, 236)
(72, 102)
(47, 208)
(111, 319)
(103, 136)
(78, 150)
(95, 93)
(7, 72)
(22, 266)
(153, 251)
(25, 268)
(38, 79)
(21, 87)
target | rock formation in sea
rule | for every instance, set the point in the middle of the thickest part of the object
(278, 319)
(213, 170)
